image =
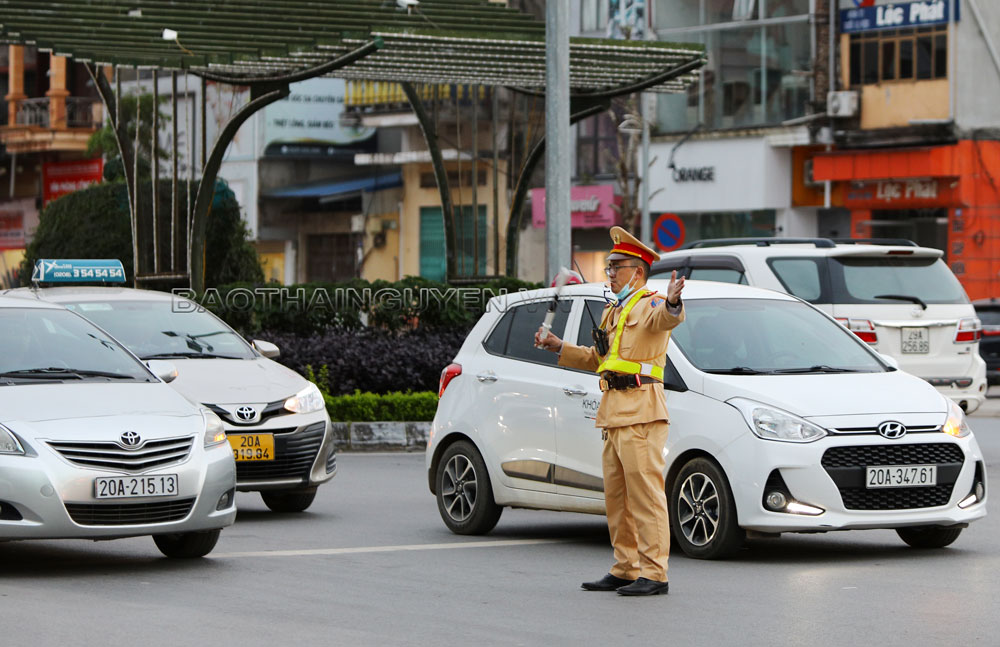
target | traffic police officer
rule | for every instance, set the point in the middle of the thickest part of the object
(633, 414)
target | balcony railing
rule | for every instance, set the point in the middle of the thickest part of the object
(81, 112)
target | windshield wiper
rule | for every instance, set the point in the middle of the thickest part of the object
(904, 297)
(190, 354)
(59, 373)
(736, 370)
(818, 368)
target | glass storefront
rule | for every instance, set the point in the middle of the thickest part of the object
(727, 224)
(759, 62)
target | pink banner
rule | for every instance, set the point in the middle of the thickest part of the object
(590, 206)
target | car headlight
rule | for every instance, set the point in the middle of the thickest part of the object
(956, 424)
(215, 433)
(9, 444)
(774, 424)
(307, 400)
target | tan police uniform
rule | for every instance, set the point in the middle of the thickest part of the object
(635, 427)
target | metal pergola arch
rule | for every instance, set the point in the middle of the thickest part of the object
(267, 45)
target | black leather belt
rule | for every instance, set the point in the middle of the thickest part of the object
(622, 382)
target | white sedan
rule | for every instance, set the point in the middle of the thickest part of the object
(781, 421)
(94, 445)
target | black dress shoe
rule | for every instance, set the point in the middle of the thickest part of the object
(607, 583)
(644, 586)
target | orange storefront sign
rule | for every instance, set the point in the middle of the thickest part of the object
(901, 194)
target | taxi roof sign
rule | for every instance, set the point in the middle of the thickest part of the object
(78, 271)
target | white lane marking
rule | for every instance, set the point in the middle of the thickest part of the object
(500, 543)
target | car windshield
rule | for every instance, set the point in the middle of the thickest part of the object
(42, 344)
(764, 336)
(159, 330)
(894, 279)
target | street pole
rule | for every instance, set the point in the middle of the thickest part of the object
(557, 203)
(646, 231)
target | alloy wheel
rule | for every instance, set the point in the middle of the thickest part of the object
(459, 487)
(698, 509)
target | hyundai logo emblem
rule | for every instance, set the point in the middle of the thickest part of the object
(130, 439)
(246, 413)
(892, 429)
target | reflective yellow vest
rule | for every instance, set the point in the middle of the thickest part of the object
(614, 363)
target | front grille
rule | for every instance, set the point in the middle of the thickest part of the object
(294, 455)
(919, 454)
(127, 514)
(846, 466)
(111, 455)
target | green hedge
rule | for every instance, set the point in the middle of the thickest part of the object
(371, 407)
(310, 308)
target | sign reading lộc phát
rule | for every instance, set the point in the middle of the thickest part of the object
(78, 271)
(897, 15)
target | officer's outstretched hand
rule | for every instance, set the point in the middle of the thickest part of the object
(547, 342)
(675, 288)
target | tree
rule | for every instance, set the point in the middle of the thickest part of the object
(95, 223)
(103, 141)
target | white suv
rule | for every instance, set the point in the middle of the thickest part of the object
(781, 421)
(900, 298)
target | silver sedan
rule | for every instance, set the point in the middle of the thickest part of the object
(94, 445)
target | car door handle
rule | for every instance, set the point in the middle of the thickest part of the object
(486, 377)
(572, 390)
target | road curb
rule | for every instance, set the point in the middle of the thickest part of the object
(381, 436)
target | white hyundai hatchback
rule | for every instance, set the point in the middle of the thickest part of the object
(781, 421)
(93, 445)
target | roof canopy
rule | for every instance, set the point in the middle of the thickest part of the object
(242, 41)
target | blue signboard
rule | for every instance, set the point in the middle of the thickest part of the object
(897, 15)
(78, 271)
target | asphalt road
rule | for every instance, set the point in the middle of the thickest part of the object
(371, 564)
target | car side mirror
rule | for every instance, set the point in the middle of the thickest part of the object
(266, 348)
(163, 369)
(890, 360)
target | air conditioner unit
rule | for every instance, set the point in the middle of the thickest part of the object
(843, 103)
(358, 224)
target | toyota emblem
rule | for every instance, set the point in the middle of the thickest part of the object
(246, 414)
(892, 429)
(130, 439)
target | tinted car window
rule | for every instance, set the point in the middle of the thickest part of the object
(165, 328)
(524, 321)
(721, 275)
(861, 279)
(588, 322)
(799, 276)
(767, 335)
(36, 338)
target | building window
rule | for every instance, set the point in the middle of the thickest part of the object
(433, 259)
(758, 69)
(596, 147)
(919, 53)
(593, 15)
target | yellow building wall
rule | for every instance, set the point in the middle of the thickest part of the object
(897, 104)
(415, 197)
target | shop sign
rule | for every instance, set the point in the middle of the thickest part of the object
(60, 178)
(896, 15)
(312, 115)
(899, 193)
(698, 174)
(11, 230)
(590, 206)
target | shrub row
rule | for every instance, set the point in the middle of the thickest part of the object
(373, 360)
(371, 407)
(312, 308)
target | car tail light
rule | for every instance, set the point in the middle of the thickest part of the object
(863, 328)
(450, 372)
(969, 330)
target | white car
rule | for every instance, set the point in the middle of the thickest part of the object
(275, 419)
(900, 298)
(93, 445)
(781, 421)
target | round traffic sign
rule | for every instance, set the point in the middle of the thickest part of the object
(668, 232)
